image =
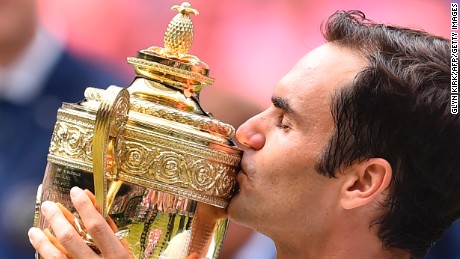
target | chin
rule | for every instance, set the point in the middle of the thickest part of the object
(238, 211)
(231, 206)
(234, 208)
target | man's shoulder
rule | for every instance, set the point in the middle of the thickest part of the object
(72, 74)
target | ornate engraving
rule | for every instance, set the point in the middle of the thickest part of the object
(160, 68)
(170, 167)
(134, 157)
(166, 142)
(185, 170)
(204, 176)
(200, 122)
(120, 116)
(71, 141)
(152, 156)
(171, 114)
(194, 195)
(226, 180)
(92, 93)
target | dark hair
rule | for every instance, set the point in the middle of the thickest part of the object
(398, 108)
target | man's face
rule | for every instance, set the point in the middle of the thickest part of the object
(279, 186)
(17, 21)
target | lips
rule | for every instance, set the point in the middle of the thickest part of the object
(239, 177)
(242, 166)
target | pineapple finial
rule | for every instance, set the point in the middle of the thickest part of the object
(172, 64)
(185, 8)
(179, 34)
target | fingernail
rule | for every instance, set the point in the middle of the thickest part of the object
(75, 191)
(32, 234)
(45, 207)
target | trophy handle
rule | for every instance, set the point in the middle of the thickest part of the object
(111, 117)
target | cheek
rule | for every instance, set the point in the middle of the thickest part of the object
(282, 172)
(297, 155)
(281, 163)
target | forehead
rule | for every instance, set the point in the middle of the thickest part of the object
(310, 84)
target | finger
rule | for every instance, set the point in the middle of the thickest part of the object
(64, 231)
(43, 245)
(67, 214)
(109, 220)
(91, 196)
(96, 225)
(56, 243)
(112, 224)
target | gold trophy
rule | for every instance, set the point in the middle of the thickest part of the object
(161, 168)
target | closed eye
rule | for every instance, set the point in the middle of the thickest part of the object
(283, 123)
(284, 109)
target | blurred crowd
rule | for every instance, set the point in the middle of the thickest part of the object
(50, 51)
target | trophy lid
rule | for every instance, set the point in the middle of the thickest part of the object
(172, 65)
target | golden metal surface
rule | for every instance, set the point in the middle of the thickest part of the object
(188, 81)
(179, 34)
(172, 65)
(111, 117)
(163, 170)
(202, 123)
(37, 205)
(143, 150)
(154, 223)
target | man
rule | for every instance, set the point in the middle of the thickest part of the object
(355, 158)
(37, 73)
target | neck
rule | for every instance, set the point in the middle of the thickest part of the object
(344, 240)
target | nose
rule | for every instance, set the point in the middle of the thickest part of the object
(250, 133)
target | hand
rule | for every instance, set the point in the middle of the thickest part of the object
(67, 242)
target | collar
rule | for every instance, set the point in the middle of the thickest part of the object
(26, 78)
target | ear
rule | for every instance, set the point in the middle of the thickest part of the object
(364, 182)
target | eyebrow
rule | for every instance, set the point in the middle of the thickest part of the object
(281, 103)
